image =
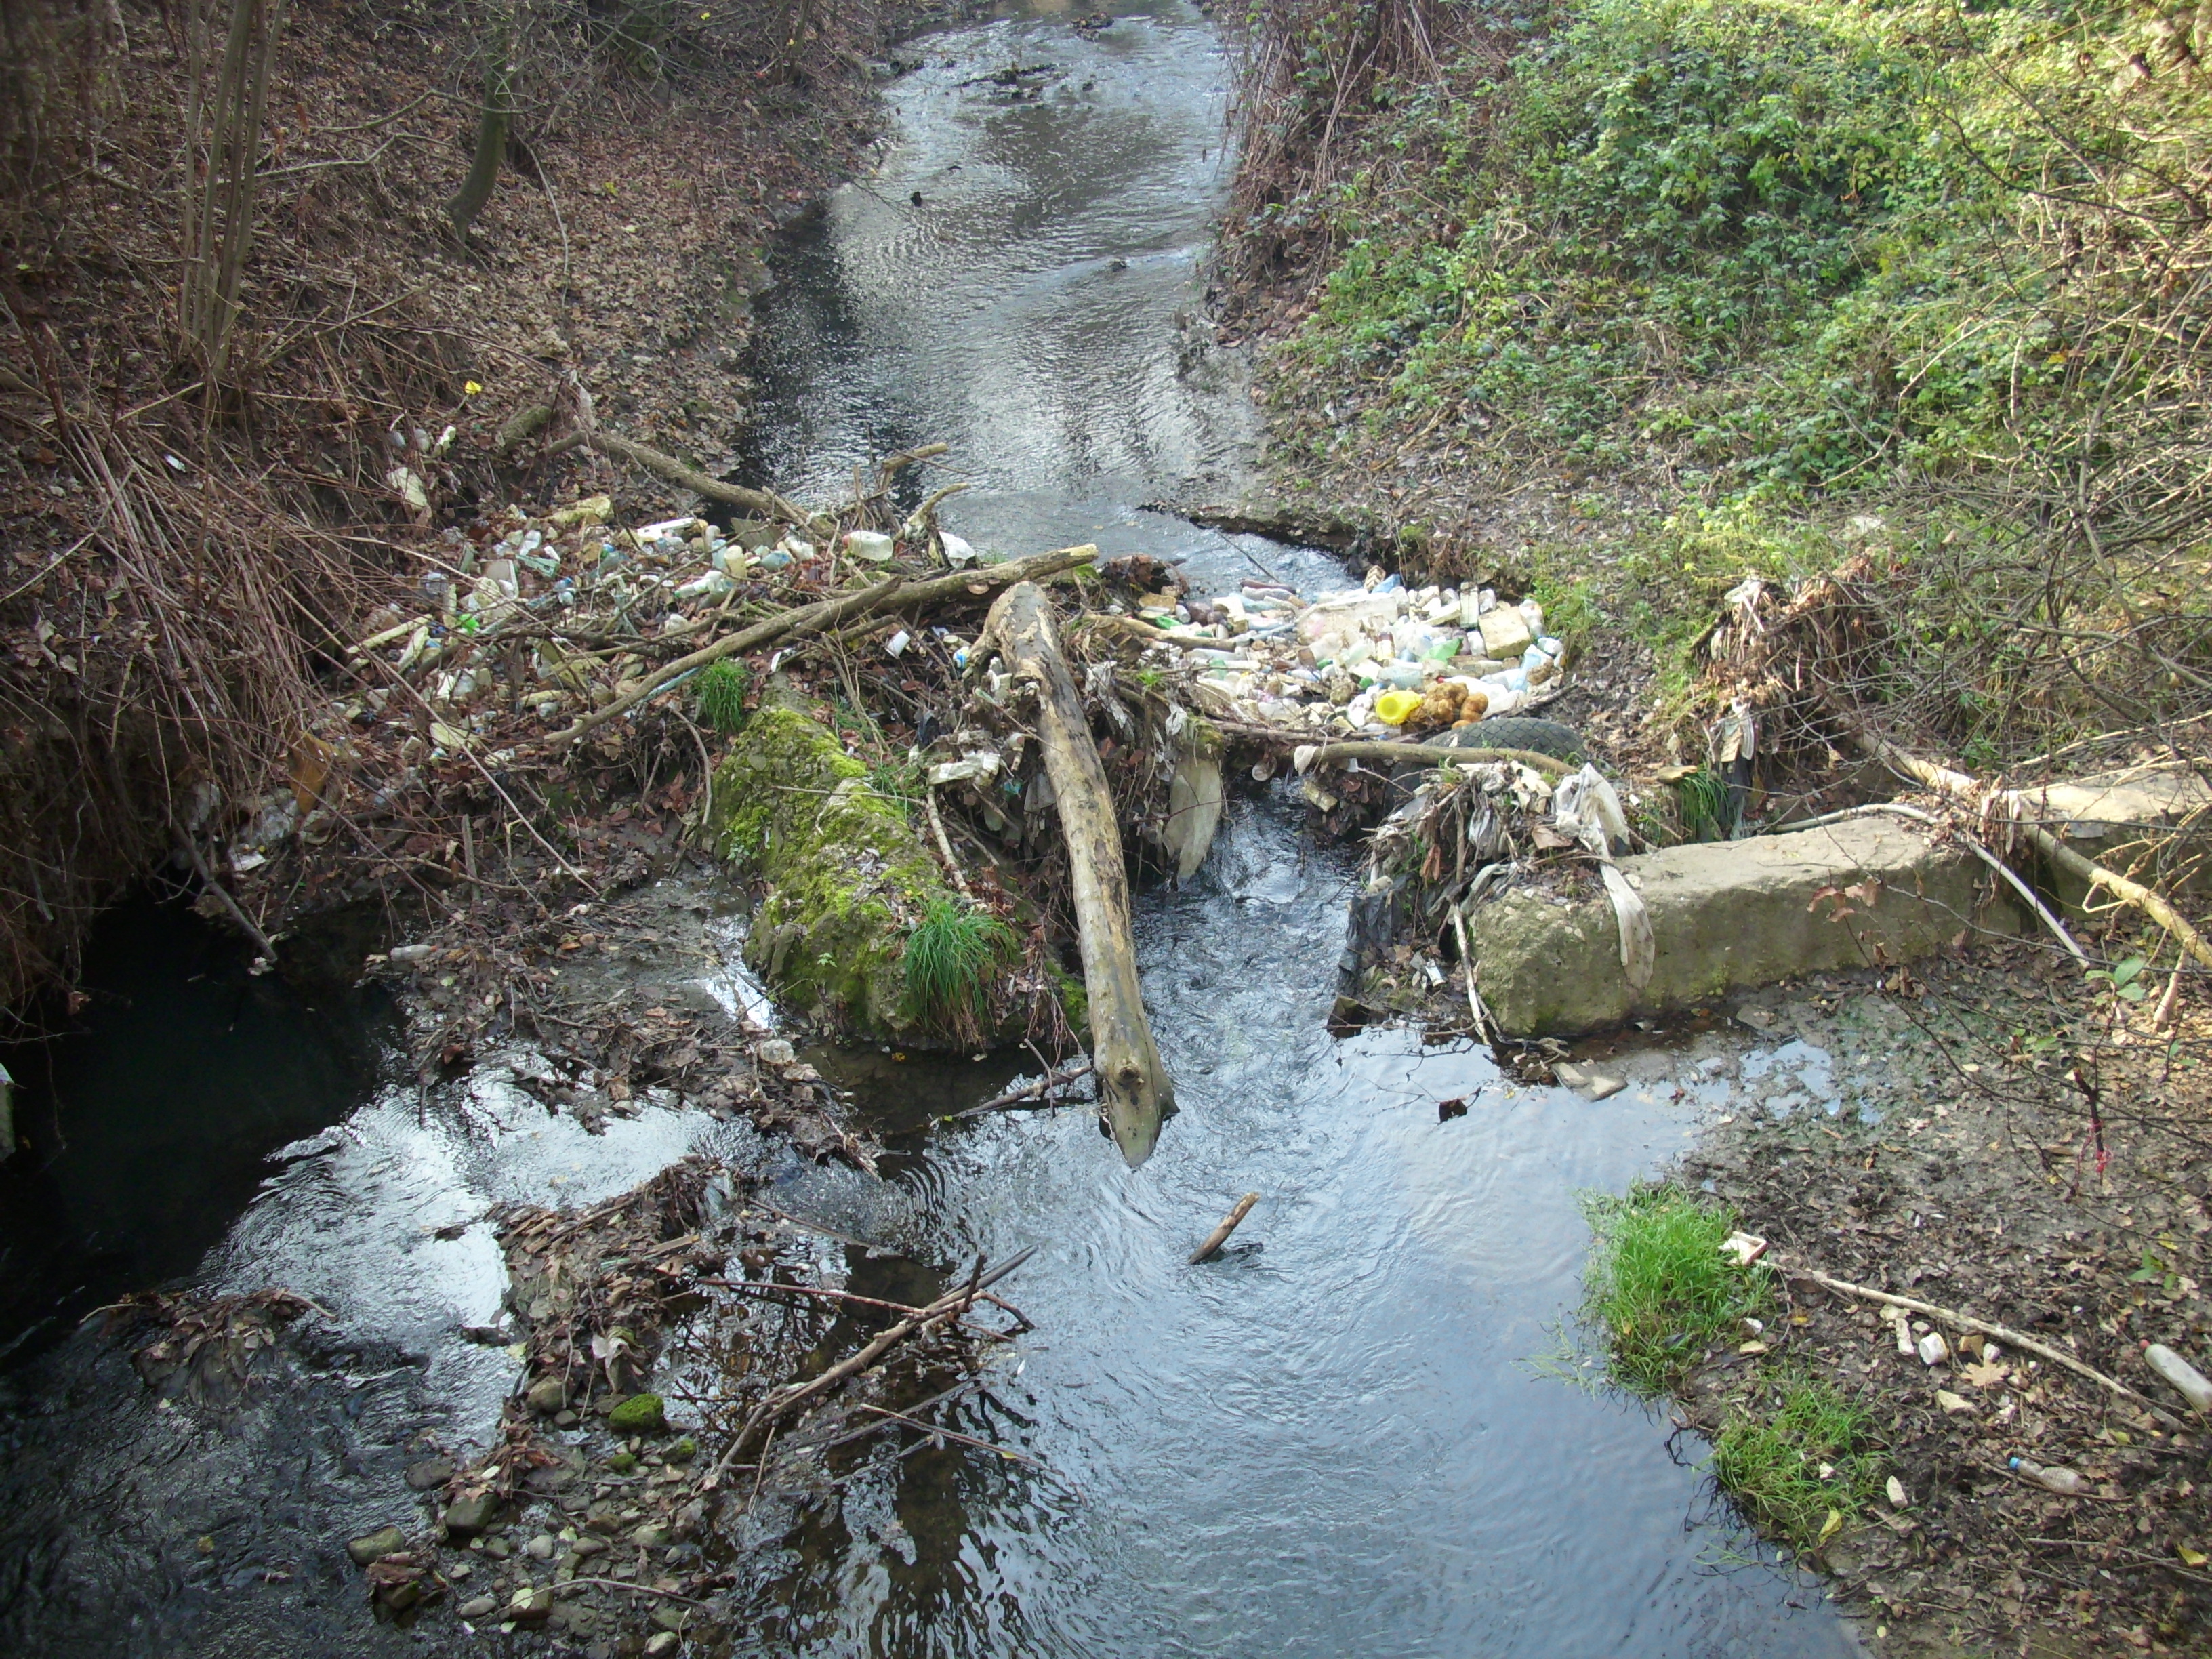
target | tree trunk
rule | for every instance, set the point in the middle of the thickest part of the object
(493, 120)
(1134, 1090)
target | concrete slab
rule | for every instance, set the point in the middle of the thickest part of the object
(1728, 916)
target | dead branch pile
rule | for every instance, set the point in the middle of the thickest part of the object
(589, 1516)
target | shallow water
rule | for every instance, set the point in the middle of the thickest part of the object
(1338, 1437)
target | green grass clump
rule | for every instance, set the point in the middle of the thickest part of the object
(1658, 1282)
(952, 955)
(1770, 1454)
(719, 694)
(1703, 800)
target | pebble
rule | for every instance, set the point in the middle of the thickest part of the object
(376, 1545)
(479, 1607)
(540, 1548)
(430, 1472)
(661, 1642)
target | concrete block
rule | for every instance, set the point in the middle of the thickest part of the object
(1728, 916)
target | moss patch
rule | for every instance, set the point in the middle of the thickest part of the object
(847, 878)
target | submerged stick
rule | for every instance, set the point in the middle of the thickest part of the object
(1134, 1090)
(1219, 1236)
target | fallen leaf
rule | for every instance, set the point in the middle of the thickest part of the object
(1986, 1374)
(1830, 1527)
(2190, 1558)
(1952, 1402)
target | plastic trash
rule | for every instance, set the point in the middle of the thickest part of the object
(1933, 1349)
(871, 545)
(2068, 1483)
(1393, 707)
(958, 552)
(2189, 1383)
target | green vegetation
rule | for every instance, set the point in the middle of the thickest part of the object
(1784, 281)
(718, 695)
(1796, 1460)
(1795, 1455)
(1702, 799)
(1658, 1281)
(954, 956)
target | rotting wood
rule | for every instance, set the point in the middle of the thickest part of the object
(1944, 781)
(762, 503)
(2005, 1334)
(1134, 1090)
(892, 593)
(1219, 1236)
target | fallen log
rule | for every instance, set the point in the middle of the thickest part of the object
(1134, 1090)
(893, 593)
(1974, 792)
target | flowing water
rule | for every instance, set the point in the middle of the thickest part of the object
(1339, 1436)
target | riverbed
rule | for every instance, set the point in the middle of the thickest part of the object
(1351, 1432)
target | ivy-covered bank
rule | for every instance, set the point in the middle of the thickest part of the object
(1623, 302)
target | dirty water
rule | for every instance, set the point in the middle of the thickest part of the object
(1338, 1435)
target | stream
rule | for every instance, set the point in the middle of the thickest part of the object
(1343, 1434)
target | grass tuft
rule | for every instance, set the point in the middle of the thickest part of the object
(951, 956)
(1659, 1282)
(719, 694)
(1770, 1454)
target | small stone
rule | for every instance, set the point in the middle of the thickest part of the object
(621, 1462)
(460, 1569)
(652, 1536)
(532, 1604)
(661, 1642)
(376, 1545)
(683, 1451)
(641, 1413)
(539, 1548)
(431, 1473)
(547, 1396)
(1898, 1498)
(479, 1608)
(586, 1547)
(671, 1618)
(565, 1420)
(466, 1517)
(498, 1548)
(775, 1051)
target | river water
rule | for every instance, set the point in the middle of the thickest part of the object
(1341, 1435)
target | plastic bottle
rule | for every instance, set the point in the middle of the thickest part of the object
(2066, 1483)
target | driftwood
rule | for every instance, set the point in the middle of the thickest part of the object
(1219, 1236)
(1133, 1088)
(893, 593)
(761, 503)
(1944, 781)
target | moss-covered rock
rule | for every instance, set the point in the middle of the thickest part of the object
(641, 1413)
(846, 878)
